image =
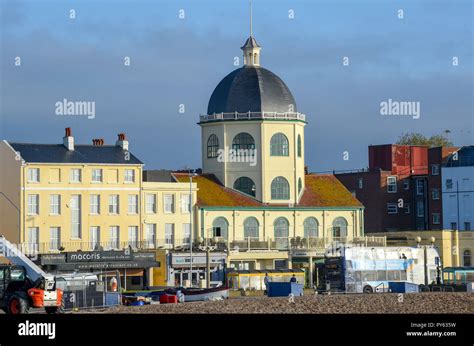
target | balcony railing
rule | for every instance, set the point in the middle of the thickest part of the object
(253, 116)
(220, 244)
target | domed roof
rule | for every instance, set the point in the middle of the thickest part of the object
(254, 89)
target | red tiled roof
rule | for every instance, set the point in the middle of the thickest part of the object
(322, 190)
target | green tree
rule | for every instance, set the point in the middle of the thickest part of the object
(413, 138)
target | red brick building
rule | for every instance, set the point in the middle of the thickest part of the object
(401, 188)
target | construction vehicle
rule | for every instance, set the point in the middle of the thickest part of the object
(24, 285)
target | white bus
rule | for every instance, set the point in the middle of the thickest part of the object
(370, 269)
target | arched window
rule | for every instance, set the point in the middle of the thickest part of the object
(245, 185)
(300, 185)
(280, 188)
(279, 145)
(251, 227)
(281, 232)
(220, 226)
(311, 227)
(339, 227)
(299, 146)
(212, 146)
(467, 258)
(243, 141)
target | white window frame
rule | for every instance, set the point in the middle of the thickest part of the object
(133, 204)
(33, 246)
(114, 237)
(438, 221)
(150, 203)
(169, 233)
(54, 239)
(94, 208)
(360, 183)
(129, 176)
(392, 184)
(55, 204)
(169, 208)
(76, 223)
(420, 187)
(435, 169)
(418, 203)
(94, 236)
(33, 204)
(33, 175)
(392, 208)
(186, 233)
(114, 204)
(133, 236)
(433, 194)
(150, 234)
(75, 178)
(185, 203)
(97, 175)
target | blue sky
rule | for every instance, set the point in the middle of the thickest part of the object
(179, 61)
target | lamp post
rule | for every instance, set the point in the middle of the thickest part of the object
(208, 248)
(425, 255)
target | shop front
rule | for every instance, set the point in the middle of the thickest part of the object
(130, 269)
(181, 272)
(309, 261)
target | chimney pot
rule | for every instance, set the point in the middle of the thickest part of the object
(68, 132)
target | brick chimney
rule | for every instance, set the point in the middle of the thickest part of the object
(122, 141)
(68, 139)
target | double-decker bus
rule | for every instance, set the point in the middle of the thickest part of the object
(370, 269)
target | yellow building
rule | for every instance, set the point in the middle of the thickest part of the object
(58, 198)
(70, 197)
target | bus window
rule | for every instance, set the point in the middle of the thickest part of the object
(381, 275)
(403, 275)
(358, 276)
(368, 276)
(391, 275)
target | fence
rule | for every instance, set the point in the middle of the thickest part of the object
(237, 244)
(89, 290)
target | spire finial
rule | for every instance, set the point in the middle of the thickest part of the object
(250, 4)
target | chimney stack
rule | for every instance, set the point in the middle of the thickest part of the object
(122, 141)
(68, 139)
(98, 142)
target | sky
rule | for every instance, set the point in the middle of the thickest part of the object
(178, 61)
